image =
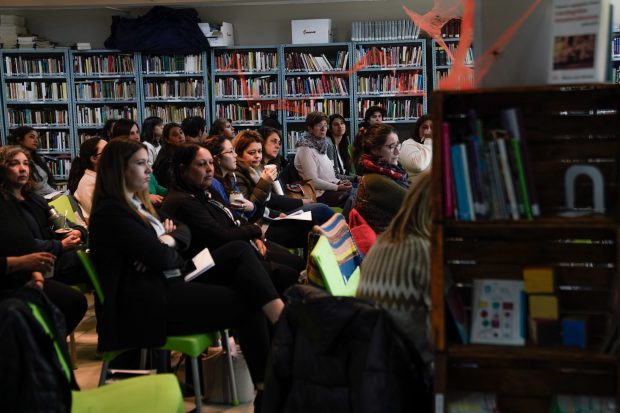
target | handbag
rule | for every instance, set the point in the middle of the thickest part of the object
(301, 189)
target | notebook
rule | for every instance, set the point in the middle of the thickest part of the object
(203, 262)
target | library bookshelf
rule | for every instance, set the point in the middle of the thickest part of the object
(173, 87)
(615, 57)
(401, 122)
(564, 126)
(440, 69)
(256, 66)
(330, 103)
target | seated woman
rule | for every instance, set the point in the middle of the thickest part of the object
(19, 263)
(396, 273)
(67, 269)
(312, 162)
(147, 298)
(162, 167)
(271, 148)
(84, 173)
(338, 149)
(152, 130)
(416, 153)
(28, 138)
(192, 201)
(384, 182)
(222, 127)
(125, 127)
(258, 184)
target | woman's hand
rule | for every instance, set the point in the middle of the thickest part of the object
(262, 233)
(169, 226)
(71, 240)
(156, 199)
(38, 261)
(343, 187)
(269, 174)
(428, 134)
(37, 277)
(262, 249)
(242, 205)
(168, 240)
(307, 201)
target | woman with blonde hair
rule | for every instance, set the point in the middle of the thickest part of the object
(397, 270)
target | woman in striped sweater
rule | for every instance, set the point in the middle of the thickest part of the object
(396, 272)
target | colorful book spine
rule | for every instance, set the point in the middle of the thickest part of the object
(448, 183)
(462, 181)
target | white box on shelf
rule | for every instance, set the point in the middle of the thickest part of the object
(223, 37)
(312, 31)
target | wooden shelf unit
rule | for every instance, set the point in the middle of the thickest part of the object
(561, 123)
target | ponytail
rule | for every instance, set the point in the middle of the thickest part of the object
(358, 146)
(81, 163)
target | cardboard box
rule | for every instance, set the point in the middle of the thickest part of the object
(223, 37)
(312, 31)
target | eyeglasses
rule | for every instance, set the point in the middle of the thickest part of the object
(227, 152)
(394, 146)
(321, 126)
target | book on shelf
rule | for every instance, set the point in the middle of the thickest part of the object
(399, 83)
(36, 91)
(442, 74)
(81, 46)
(12, 19)
(172, 64)
(307, 62)
(239, 113)
(247, 62)
(615, 47)
(120, 64)
(171, 113)
(31, 66)
(574, 403)
(390, 56)
(292, 137)
(444, 59)
(112, 89)
(384, 30)
(472, 403)
(174, 89)
(232, 87)
(88, 115)
(83, 137)
(37, 117)
(451, 29)
(54, 141)
(299, 109)
(59, 165)
(397, 109)
(315, 86)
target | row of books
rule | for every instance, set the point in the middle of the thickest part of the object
(243, 114)
(388, 57)
(490, 176)
(172, 64)
(384, 30)
(472, 403)
(292, 139)
(229, 87)
(36, 91)
(452, 28)
(23, 66)
(120, 64)
(569, 403)
(302, 108)
(401, 83)
(83, 137)
(11, 27)
(38, 117)
(317, 86)
(169, 113)
(174, 89)
(444, 74)
(615, 47)
(105, 90)
(444, 59)
(397, 109)
(96, 116)
(59, 165)
(615, 75)
(307, 62)
(54, 141)
(247, 62)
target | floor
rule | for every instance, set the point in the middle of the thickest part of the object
(87, 375)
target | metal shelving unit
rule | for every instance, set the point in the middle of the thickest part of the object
(379, 70)
(437, 67)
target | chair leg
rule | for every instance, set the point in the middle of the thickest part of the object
(143, 354)
(73, 351)
(104, 373)
(233, 382)
(197, 392)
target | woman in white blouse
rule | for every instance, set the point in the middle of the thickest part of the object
(84, 174)
(417, 152)
(312, 162)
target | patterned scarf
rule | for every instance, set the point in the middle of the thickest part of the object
(378, 165)
(308, 140)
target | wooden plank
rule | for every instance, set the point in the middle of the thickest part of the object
(547, 151)
(524, 404)
(438, 334)
(437, 186)
(535, 232)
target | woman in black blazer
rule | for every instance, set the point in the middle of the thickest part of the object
(136, 252)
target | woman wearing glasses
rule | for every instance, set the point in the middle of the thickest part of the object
(385, 182)
(84, 174)
(312, 162)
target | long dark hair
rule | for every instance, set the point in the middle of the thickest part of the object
(368, 139)
(15, 138)
(272, 121)
(107, 129)
(81, 163)
(7, 153)
(147, 133)
(215, 145)
(218, 126)
(123, 127)
(415, 133)
(184, 155)
(167, 151)
(265, 132)
(343, 146)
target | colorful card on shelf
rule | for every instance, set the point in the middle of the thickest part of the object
(498, 312)
(574, 331)
(455, 305)
(538, 280)
(544, 306)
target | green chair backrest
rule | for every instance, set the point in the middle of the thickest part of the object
(350, 156)
(92, 273)
(44, 319)
(63, 204)
(328, 266)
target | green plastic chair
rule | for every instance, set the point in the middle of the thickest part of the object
(337, 210)
(83, 288)
(63, 204)
(192, 345)
(152, 394)
(328, 266)
(350, 156)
